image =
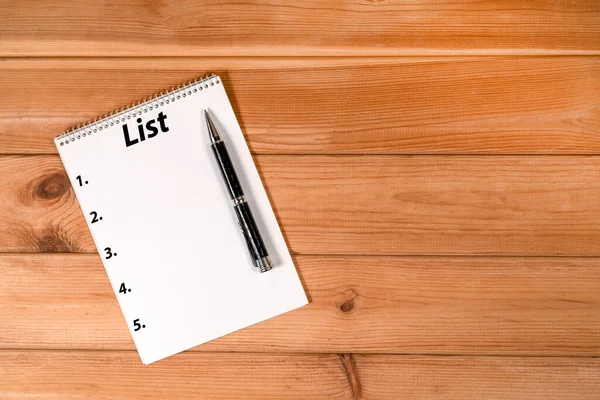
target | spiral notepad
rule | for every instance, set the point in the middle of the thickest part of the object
(161, 219)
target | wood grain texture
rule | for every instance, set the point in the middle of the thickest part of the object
(474, 378)
(310, 27)
(410, 205)
(531, 105)
(466, 131)
(106, 374)
(112, 375)
(449, 305)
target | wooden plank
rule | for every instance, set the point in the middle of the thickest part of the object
(312, 27)
(105, 374)
(449, 305)
(395, 205)
(67, 375)
(331, 106)
(422, 377)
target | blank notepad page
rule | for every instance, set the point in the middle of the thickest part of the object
(164, 225)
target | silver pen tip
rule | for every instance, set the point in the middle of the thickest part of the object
(212, 130)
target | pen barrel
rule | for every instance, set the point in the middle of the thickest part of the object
(254, 241)
(226, 166)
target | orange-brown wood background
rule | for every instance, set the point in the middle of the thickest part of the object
(435, 167)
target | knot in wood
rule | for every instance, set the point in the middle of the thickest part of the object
(346, 301)
(51, 187)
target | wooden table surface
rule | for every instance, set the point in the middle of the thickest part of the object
(435, 167)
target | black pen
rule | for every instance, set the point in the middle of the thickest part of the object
(256, 246)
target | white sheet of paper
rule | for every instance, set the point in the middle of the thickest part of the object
(171, 227)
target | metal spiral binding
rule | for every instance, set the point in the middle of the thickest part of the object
(147, 104)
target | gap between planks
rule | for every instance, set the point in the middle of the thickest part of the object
(348, 256)
(346, 357)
